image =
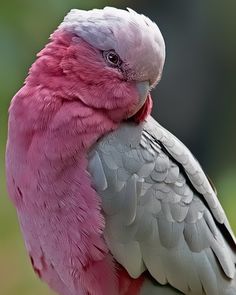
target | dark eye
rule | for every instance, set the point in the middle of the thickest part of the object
(112, 58)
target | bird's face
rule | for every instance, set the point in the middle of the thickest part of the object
(115, 57)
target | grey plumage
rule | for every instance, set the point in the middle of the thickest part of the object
(161, 211)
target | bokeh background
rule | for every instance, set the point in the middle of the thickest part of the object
(195, 99)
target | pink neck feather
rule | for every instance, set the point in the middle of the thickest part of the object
(55, 103)
(50, 132)
(56, 127)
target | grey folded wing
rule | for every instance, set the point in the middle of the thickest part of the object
(161, 212)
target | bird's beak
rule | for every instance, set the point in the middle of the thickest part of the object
(144, 107)
(143, 88)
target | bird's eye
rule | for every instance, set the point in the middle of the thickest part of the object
(112, 58)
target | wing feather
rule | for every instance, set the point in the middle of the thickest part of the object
(161, 211)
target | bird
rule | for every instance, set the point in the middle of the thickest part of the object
(109, 202)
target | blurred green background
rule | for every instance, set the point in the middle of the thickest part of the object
(195, 100)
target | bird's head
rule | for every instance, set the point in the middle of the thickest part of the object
(110, 59)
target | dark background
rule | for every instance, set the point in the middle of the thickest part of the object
(195, 99)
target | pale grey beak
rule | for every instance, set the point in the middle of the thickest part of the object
(143, 89)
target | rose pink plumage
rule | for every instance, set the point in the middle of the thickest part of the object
(48, 181)
(73, 97)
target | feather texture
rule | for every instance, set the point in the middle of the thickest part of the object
(85, 192)
(161, 212)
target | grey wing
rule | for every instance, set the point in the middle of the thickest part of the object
(161, 212)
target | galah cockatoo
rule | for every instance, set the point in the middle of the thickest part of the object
(109, 202)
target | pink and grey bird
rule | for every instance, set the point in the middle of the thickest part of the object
(109, 202)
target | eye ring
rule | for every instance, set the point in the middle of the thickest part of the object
(112, 58)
